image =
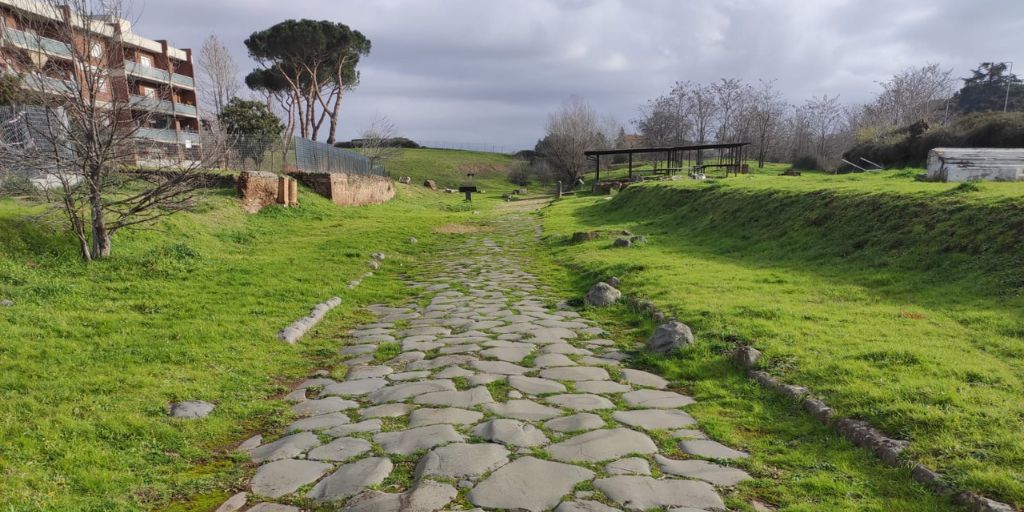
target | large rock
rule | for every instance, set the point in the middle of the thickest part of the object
(602, 294)
(431, 184)
(528, 484)
(670, 336)
(285, 476)
(405, 180)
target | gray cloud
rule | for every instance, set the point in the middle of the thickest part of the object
(489, 71)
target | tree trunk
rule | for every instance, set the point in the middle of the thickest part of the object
(100, 235)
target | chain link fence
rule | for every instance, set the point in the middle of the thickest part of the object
(318, 157)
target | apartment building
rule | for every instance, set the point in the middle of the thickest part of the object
(44, 44)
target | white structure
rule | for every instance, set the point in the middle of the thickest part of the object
(966, 164)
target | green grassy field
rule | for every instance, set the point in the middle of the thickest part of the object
(896, 301)
(91, 355)
(448, 167)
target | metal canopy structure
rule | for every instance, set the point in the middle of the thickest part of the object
(727, 156)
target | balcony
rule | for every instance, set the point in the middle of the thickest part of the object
(37, 43)
(165, 135)
(157, 74)
(162, 106)
(48, 85)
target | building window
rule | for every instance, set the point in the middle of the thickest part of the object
(149, 92)
(102, 85)
(96, 50)
(146, 60)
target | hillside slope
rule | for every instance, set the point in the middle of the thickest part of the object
(448, 167)
(898, 302)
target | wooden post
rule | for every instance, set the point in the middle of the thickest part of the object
(282, 191)
(293, 192)
(631, 166)
(559, 189)
(597, 173)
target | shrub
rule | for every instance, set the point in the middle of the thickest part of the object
(806, 163)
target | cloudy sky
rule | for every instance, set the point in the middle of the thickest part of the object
(489, 71)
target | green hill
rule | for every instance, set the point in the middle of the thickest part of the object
(897, 301)
(448, 167)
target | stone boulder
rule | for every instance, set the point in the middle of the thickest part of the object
(405, 180)
(6, 303)
(622, 242)
(413, 240)
(637, 240)
(431, 184)
(746, 356)
(613, 282)
(602, 294)
(670, 336)
(379, 256)
(585, 236)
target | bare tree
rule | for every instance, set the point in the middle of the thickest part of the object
(218, 80)
(765, 113)
(823, 114)
(573, 129)
(730, 96)
(914, 94)
(377, 140)
(662, 122)
(80, 126)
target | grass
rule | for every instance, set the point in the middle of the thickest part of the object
(449, 167)
(91, 355)
(897, 301)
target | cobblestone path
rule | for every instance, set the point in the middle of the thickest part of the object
(495, 400)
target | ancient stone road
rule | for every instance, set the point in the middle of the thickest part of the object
(497, 400)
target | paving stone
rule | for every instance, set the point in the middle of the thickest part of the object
(645, 493)
(426, 346)
(374, 425)
(499, 367)
(452, 372)
(601, 386)
(511, 432)
(441, 362)
(508, 354)
(282, 477)
(425, 496)
(404, 376)
(299, 395)
(575, 373)
(355, 350)
(407, 358)
(565, 349)
(528, 483)
(654, 419)
(482, 379)
(642, 378)
(362, 360)
(191, 409)
(250, 443)
(367, 372)
(710, 472)
(602, 445)
(601, 342)
(318, 382)
(323, 406)
(418, 331)
(386, 411)
(468, 398)
(575, 423)
(552, 360)
(710, 449)
(406, 442)
(287, 447)
(580, 401)
(460, 349)
(235, 502)
(407, 390)
(628, 466)
(354, 387)
(419, 338)
(524, 410)
(462, 460)
(688, 433)
(448, 415)
(535, 385)
(340, 449)
(584, 506)
(656, 399)
(273, 507)
(321, 422)
(545, 335)
(598, 361)
(351, 478)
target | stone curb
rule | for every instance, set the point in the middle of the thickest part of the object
(300, 327)
(865, 435)
(858, 432)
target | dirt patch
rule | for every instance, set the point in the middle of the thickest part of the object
(461, 229)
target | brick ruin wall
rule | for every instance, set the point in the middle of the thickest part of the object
(349, 189)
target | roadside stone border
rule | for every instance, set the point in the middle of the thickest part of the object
(858, 432)
(300, 327)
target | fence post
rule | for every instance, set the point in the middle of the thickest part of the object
(559, 196)
(293, 192)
